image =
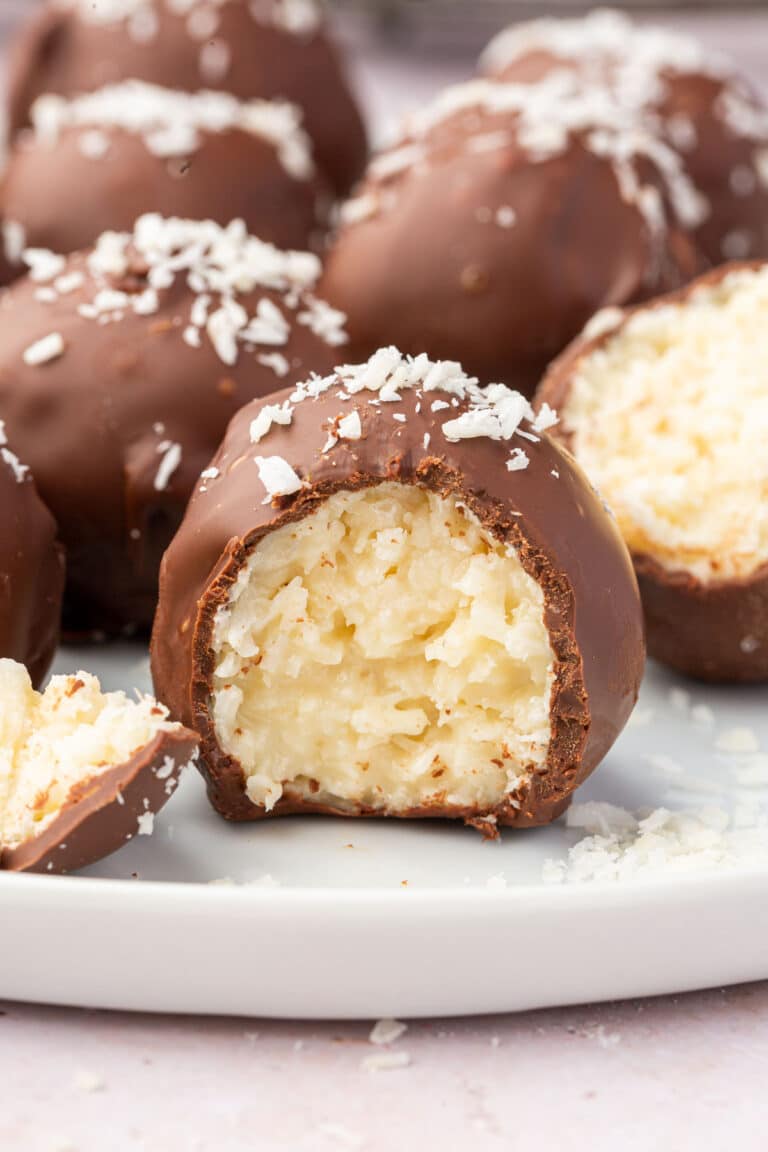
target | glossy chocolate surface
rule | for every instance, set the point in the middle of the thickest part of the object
(547, 511)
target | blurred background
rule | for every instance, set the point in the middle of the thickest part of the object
(403, 51)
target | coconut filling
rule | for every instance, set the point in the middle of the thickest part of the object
(384, 652)
(670, 420)
(53, 741)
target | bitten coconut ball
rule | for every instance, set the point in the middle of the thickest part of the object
(120, 369)
(254, 49)
(31, 569)
(502, 221)
(81, 772)
(690, 98)
(135, 148)
(667, 411)
(393, 595)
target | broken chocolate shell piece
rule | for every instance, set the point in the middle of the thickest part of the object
(81, 772)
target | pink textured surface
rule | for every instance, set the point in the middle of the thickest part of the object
(666, 1075)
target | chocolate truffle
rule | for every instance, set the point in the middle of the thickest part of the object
(119, 372)
(81, 771)
(31, 569)
(394, 595)
(136, 148)
(507, 216)
(666, 408)
(265, 49)
(690, 98)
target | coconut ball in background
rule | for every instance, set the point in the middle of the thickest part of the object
(265, 49)
(502, 220)
(120, 369)
(666, 408)
(691, 98)
(97, 162)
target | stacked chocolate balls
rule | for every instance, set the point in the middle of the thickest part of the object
(232, 110)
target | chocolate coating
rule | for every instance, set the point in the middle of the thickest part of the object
(59, 51)
(97, 423)
(495, 256)
(562, 535)
(93, 823)
(31, 572)
(691, 99)
(231, 175)
(715, 632)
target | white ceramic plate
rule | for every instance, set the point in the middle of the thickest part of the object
(333, 918)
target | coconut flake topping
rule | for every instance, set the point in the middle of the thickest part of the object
(10, 459)
(219, 265)
(495, 412)
(299, 17)
(172, 123)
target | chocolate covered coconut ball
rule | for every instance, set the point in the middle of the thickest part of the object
(120, 369)
(31, 569)
(82, 771)
(688, 97)
(666, 408)
(504, 218)
(265, 49)
(134, 148)
(394, 595)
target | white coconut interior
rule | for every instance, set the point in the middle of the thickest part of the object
(52, 741)
(670, 419)
(387, 652)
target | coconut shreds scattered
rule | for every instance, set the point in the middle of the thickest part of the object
(616, 117)
(495, 412)
(622, 845)
(643, 51)
(299, 17)
(173, 123)
(219, 266)
(10, 459)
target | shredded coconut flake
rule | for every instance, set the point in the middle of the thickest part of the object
(277, 476)
(386, 1061)
(622, 845)
(43, 351)
(171, 459)
(387, 1031)
(269, 415)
